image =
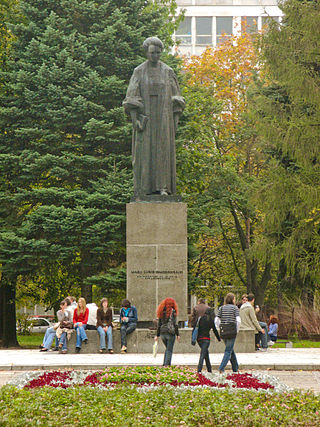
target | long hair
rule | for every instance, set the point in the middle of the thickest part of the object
(102, 301)
(229, 298)
(84, 306)
(165, 308)
(273, 319)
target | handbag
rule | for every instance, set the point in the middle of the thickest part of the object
(195, 332)
(66, 324)
(228, 330)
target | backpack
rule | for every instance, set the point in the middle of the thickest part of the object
(171, 324)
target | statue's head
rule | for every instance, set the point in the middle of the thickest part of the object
(153, 48)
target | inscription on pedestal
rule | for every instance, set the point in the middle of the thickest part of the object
(157, 275)
(156, 256)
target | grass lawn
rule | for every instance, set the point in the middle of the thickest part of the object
(30, 341)
(298, 343)
(34, 340)
(129, 406)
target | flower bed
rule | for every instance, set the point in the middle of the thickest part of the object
(148, 377)
(128, 405)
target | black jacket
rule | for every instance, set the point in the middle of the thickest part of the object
(163, 324)
(205, 324)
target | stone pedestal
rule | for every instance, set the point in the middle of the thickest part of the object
(156, 256)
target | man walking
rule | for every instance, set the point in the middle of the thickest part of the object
(249, 320)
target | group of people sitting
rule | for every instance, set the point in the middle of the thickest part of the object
(79, 317)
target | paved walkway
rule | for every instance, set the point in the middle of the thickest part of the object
(298, 368)
(276, 359)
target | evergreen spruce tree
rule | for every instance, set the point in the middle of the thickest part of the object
(65, 142)
(287, 108)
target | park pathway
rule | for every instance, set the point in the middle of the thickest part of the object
(298, 368)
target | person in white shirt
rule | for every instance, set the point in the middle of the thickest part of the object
(92, 319)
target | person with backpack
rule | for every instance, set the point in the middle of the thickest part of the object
(203, 319)
(228, 320)
(167, 312)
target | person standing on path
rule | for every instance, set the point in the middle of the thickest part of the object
(228, 320)
(205, 315)
(167, 327)
(249, 319)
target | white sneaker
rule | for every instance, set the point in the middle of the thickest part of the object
(270, 343)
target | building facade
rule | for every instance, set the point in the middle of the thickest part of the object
(207, 22)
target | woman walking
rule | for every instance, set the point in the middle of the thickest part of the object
(167, 327)
(228, 320)
(80, 320)
(203, 316)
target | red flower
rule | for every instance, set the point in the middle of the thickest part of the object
(248, 381)
(52, 379)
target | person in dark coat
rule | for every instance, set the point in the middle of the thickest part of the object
(104, 325)
(167, 327)
(205, 315)
(128, 322)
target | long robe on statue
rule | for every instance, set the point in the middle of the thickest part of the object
(154, 93)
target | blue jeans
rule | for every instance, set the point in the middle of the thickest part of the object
(264, 337)
(126, 329)
(48, 338)
(229, 354)
(63, 340)
(168, 340)
(81, 335)
(273, 338)
(204, 355)
(102, 335)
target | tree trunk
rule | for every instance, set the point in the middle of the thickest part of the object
(1, 311)
(260, 288)
(8, 296)
(86, 292)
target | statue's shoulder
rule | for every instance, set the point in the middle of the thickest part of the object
(140, 67)
(166, 67)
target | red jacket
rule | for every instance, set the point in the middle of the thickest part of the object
(81, 317)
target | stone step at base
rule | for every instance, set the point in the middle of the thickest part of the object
(142, 340)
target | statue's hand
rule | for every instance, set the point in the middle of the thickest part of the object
(135, 124)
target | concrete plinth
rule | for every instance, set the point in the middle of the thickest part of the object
(156, 256)
(142, 340)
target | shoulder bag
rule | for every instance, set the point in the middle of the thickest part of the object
(195, 332)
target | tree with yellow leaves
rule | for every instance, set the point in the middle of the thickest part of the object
(220, 161)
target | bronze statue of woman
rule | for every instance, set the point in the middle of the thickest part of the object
(155, 104)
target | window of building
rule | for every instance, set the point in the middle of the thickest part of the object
(249, 24)
(223, 28)
(204, 30)
(183, 33)
(265, 20)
